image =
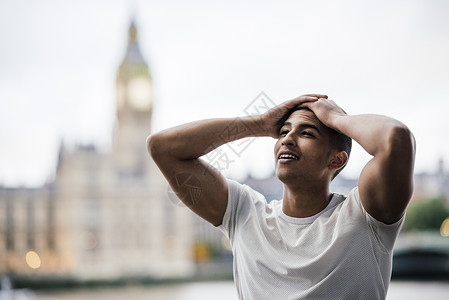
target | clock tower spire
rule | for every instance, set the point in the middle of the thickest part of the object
(134, 100)
(134, 84)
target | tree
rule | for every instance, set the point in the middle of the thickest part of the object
(426, 214)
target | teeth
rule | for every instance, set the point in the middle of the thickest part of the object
(288, 156)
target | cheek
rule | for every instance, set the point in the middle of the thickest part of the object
(321, 157)
(315, 151)
(276, 147)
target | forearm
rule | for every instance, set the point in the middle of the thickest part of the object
(375, 133)
(192, 140)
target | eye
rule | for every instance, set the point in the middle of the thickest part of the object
(308, 133)
(283, 132)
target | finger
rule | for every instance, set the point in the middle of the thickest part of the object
(305, 104)
(310, 98)
(303, 98)
(316, 95)
(292, 105)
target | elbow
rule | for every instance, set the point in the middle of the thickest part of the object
(153, 145)
(402, 142)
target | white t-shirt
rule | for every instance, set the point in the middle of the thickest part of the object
(340, 253)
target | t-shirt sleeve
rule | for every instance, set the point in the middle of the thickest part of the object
(228, 225)
(385, 234)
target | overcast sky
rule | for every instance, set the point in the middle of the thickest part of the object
(59, 59)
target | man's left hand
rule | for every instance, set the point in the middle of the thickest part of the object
(327, 111)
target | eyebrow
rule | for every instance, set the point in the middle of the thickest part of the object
(304, 125)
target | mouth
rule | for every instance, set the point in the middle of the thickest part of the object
(285, 157)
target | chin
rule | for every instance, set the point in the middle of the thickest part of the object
(285, 177)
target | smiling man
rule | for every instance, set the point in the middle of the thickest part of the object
(311, 244)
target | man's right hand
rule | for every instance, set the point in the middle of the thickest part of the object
(270, 121)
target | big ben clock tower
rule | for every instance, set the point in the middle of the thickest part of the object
(134, 107)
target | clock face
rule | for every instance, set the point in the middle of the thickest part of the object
(139, 93)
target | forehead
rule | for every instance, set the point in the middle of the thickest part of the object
(301, 116)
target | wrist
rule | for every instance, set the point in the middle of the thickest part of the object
(338, 122)
(255, 125)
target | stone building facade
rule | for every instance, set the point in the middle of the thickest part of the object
(105, 215)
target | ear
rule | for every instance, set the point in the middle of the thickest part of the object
(337, 160)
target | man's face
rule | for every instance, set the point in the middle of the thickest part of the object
(302, 150)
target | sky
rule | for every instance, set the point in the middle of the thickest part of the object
(59, 61)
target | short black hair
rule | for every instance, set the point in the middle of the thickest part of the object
(340, 142)
(337, 140)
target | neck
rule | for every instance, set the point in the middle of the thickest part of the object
(301, 201)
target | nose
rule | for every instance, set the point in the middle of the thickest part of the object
(288, 140)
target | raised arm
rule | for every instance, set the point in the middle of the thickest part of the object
(386, 182)
(177, 153)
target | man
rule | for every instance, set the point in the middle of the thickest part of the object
(311, 244)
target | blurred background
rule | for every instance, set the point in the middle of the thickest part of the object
(84, 212)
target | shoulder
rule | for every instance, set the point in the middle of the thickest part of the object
(356, 198)
(239, 191)
(354, 206)
(243, 202)
(384, 234)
